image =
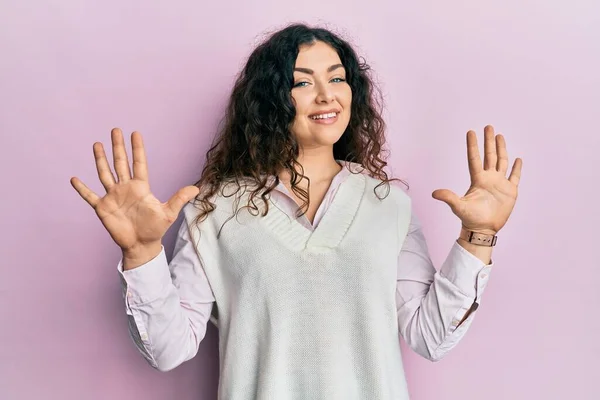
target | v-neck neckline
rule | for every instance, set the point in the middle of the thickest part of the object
(284, 191)
(333, 225)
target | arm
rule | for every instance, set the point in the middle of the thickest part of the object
(168, 305)
(483, 253)
(434, 308)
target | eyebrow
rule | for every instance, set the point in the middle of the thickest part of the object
(311, 72)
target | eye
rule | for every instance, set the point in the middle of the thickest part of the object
(300, 83)
(339, 79)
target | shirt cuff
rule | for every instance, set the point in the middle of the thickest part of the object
(148, 281)
(467, 272)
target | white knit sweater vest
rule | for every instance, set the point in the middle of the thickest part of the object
(308, 315)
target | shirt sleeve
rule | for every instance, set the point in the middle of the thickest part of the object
(431, 304)
(168, 305)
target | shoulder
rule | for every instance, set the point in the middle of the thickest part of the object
(391, 190)
(230, 196)
(395, 189)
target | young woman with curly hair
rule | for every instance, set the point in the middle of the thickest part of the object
(294, 242)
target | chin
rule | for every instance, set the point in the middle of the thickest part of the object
(328, 139)
(319, 136)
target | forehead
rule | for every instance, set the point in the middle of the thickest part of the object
(317, 56)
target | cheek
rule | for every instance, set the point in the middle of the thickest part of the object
(349, 96)
(347, 102)
(299, 123)
(301, 103)
(345, 97)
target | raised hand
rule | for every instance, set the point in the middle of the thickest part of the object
(488, 203)
(129, 211)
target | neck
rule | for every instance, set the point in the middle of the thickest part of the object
(318, 166)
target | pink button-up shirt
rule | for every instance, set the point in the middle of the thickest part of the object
(158, 317)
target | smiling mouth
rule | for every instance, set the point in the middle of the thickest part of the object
(325, 116)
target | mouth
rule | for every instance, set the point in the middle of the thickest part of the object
(326, 117)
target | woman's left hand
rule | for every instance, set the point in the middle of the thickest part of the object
(488, 203)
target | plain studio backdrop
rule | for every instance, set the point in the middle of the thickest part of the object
(72, 70)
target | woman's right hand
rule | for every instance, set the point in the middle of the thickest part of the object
(133, 217)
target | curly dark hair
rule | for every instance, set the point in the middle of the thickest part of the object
(255, 141)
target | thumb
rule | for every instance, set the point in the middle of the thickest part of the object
(447, 196)
(180, 198)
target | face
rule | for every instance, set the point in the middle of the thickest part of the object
(321, 95)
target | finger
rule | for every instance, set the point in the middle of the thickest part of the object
(473, 156)
(120, 156)
(104, 173)
(447, 196)
(515, 173)
(502, 164)
(489, 148)
(140, 166)
(179, 199)
(89, 196)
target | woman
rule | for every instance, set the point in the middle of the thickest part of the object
(296, 245)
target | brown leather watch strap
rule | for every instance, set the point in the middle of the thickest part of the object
(478, 238)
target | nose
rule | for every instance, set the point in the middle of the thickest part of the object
(324, 94)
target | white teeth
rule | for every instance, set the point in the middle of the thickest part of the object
(324, 116)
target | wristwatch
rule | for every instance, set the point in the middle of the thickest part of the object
(478, 238)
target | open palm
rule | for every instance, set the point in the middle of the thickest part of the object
(489, 201)
(129, 211)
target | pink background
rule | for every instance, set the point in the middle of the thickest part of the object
(72, 70)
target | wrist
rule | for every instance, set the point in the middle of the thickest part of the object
(483, 253)
(140, 254)
(479, 237)
(483, 231)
